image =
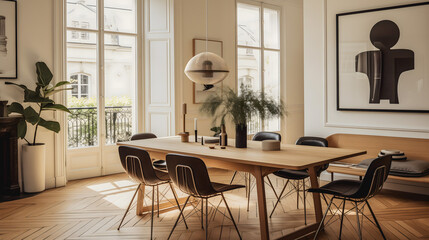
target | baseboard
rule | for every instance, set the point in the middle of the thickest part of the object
(50, 183)
(391, 184)
(60, 181)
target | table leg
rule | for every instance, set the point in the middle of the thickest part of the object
(140, 200)
(262, 204)
(316, 196)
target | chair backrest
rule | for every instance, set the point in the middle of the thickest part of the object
(189, 174)
(315, 142)
(374, 178)
(312, 141)
(138, 165)
(140, 136)
(261, 136)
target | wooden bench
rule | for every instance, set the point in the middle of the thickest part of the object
(414, 148)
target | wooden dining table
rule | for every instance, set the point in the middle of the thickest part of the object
(255, 161)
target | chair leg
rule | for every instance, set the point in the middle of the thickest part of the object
(202, 213)
(207, 219)
(178, 204)
(297, 194)
(323, 219)
(358, 222)
(375, 219)
(230, 214)
(232, 179)
(248, 192)
(305, 206)
(151, 216)
(157, 198)
(279, 198)
(181, 214)
(129, 205)
(342, 218)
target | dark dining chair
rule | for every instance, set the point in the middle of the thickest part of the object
(358, 192)
(138, 165)
(159, 164)
(190, 175)
(260, 136)
(298, 176)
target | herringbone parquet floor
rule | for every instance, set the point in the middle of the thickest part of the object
(92, 209)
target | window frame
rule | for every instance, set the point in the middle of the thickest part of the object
(262, 49)
(100, 80)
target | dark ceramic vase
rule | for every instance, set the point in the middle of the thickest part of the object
(241, 136)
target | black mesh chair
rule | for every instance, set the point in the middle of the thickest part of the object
(260, 136)
(190, 175)
(298, 176)
(138, 165)
(159, 164)
(358, 192)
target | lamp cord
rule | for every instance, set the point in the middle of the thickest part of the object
(207, 24)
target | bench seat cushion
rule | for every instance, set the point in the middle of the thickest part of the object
(410, 168)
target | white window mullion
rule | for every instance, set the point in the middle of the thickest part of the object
(101, 79)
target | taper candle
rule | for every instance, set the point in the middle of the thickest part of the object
(195, 124)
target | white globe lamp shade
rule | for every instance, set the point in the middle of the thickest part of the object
(206, 68)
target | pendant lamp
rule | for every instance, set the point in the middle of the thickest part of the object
(206, 68)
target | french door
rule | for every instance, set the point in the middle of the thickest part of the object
(103, 65)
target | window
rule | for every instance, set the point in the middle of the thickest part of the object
(103, 67)
(258, 54)
(80, 85)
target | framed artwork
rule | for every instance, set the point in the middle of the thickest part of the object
(382, 59)
(8, 40)
(200, 91)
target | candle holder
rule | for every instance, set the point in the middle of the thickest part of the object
(196, 135)
(184, 136)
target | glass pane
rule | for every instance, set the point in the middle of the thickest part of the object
(82, 14)
(82, 122)
(271, 28)
(120, 87)
(248, 25)
(249, 74)
(272, 84)
(249, 68)
(120, 16)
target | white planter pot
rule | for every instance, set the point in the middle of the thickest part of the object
(33, 168)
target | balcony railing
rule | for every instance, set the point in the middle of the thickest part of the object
(83, 125)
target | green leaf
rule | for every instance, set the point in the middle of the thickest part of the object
(61, 84)
(31, 115)
(19, 85)
(50, 93)
(32, 96)
(15, 108)
(44, 75)
(51, 106)
(50, 125)
(22, 128)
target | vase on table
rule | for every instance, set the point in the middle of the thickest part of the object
(241, 136)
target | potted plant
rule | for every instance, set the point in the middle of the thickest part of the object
(241, 108)
(33, 153)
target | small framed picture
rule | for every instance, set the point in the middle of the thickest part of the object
(382, 59)
(8, 40)
(200, 91)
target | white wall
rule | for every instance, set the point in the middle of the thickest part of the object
(321, 117)
(35, 43)
(190, 23)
